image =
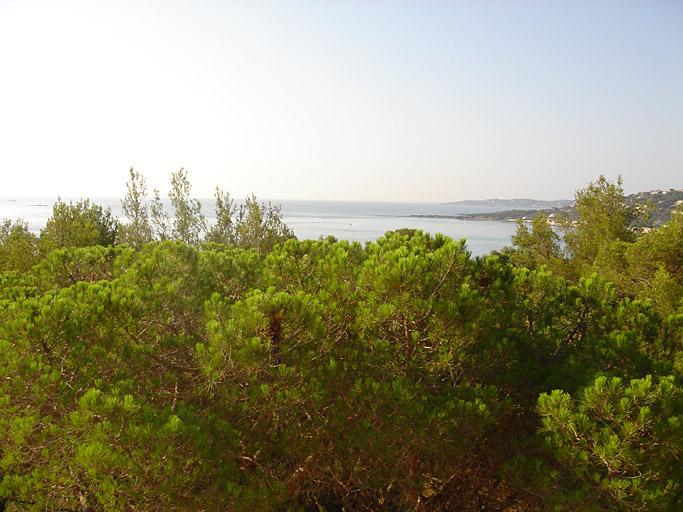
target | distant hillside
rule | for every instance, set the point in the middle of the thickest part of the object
(656, 204)
(511, 204)
(654, 208)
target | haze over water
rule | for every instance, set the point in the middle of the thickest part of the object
(345, 220)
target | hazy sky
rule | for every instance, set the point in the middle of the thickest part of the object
(357, 100)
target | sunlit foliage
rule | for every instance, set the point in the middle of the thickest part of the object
(247, 370)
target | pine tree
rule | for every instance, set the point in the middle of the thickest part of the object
(138, 230)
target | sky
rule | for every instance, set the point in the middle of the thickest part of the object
(367, 100)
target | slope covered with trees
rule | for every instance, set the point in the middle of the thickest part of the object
(181, 366)
(651, 209)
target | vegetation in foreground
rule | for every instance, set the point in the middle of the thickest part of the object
(165, 364)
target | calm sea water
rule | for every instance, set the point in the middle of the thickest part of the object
(346, 220)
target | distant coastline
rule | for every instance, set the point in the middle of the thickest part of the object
(504, 215)
(652, 208)
(490, 205)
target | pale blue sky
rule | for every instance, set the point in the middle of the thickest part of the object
(354, 100)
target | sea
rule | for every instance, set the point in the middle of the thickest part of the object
(346, 220)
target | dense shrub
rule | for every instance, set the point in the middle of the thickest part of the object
(253, 371)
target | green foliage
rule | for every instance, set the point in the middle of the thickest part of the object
(159, 218)
(254, 371)
(80, 224)
(138, 230)
(619, 447)
(538, 246)
(645, 264)
(18, 246)
(603, 218)
(188, 222)
(655, 264)
(597, 239)
(223, 231)
(252, 225)
(259, 226)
